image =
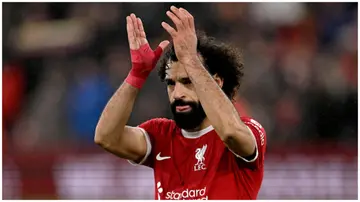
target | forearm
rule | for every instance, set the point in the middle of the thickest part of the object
(219, 109)
(116, 114)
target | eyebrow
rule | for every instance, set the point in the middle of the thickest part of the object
(184, 80)
(181, 80)
(168, 79)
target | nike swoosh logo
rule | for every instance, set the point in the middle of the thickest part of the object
(160, 158)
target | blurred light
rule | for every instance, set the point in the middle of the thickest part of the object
(277, 13)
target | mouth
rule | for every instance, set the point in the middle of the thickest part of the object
(184, 108)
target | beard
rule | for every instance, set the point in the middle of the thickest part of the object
(190, 119)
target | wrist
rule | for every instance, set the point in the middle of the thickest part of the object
(135, 81)
(137, 78)
(191, 60)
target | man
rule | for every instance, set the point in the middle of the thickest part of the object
(207, 151)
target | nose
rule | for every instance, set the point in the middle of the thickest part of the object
(178, 92)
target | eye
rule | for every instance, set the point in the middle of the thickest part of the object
(169, 82)
(186, 81)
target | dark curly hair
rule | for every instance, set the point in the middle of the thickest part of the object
(219, 58)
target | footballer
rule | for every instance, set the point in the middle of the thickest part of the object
(208, 150)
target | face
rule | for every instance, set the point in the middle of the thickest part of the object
(185, 105)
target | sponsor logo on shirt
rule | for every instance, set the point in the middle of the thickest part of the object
(160, 190)
(199, 155)
(198, 194)
(187, 194)
(161, 158)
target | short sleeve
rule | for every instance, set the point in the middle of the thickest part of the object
(151, 129)
(259, 135)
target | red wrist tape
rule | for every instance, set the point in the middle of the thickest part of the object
(136, 82)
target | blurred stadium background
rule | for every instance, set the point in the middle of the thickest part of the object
(63, 61)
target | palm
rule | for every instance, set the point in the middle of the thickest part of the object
(135, 31)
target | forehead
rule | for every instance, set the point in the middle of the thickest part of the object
(175, 70)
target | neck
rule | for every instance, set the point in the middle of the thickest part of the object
(206, 123)
(204, 128)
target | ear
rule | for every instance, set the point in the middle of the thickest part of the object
(219, 80)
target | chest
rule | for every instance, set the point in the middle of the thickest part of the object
(188, 162)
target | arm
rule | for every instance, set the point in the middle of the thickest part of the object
(217, 106)
(220, 110)
(111, 133)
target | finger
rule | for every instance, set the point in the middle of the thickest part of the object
(131, 33)
(175, 20)
(184, 18)
(177, 13)
(159, 50)
(169, 29)
(190, 18)
(142, 34)
(134, 22)
(164, 44)
(181, 15)
(141, 28)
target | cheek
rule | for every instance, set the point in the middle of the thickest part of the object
(170, 92)
(192, 94)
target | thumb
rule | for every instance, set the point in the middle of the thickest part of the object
(164, 44)
(160, 48)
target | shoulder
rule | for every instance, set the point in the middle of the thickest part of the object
(259, 134)
(250, 122)
(158, 122)
(256, 128)
(157, 125)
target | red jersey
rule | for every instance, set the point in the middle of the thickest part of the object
(198, 165)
